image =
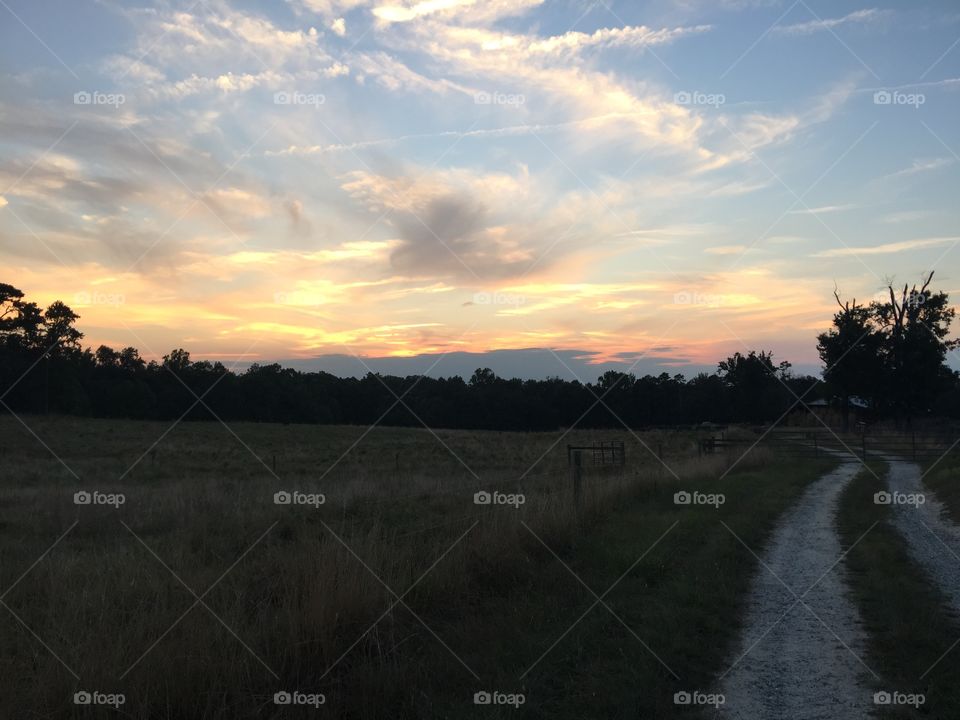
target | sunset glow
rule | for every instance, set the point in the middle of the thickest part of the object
(674, 178)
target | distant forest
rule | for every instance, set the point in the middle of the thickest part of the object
(888, 356)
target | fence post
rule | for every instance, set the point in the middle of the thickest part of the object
(816, 447)
(575, 474)
(863, 443)
(660, 451)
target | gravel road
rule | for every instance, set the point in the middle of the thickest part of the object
(933, 539)
(794, 661)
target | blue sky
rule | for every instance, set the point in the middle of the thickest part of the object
(666, 181)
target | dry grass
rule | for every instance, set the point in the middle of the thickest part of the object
(296, 591)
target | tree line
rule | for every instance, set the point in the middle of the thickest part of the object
(892, 354)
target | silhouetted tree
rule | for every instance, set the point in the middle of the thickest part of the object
(851, 354)
(915, 324)
(756, 393)
(483, 376)
(891, 353)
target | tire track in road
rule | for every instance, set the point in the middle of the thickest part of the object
(932, 538)
(801, 658)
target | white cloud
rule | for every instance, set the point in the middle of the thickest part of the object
(394, 75)
(921, 166)
(506, 61)
(889, 248)
(672, 231)
(334, 8)
(861, 17)
(220, 39)
(906, 216)
(339, 27)
(635, 36)
(823, 210)
(475, 10)
(230, 83)
(405, 13)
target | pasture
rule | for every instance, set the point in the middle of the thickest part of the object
(392, 595)
(194, 570)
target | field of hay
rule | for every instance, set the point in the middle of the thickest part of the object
(184, 587)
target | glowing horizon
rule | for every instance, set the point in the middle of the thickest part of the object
(390, 178)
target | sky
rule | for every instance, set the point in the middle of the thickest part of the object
(645, 184)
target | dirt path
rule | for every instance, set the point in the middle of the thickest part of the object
(933, 539)
(795, 662)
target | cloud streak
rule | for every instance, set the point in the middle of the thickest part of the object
(869, 16)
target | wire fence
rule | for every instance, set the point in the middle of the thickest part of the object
(865, 446)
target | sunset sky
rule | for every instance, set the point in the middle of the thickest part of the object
(671, 180)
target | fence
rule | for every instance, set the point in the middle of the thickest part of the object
(611, 452)
(910, 446)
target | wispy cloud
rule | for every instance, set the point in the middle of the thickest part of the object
(444, 149)
(920, 166)
(905, 216)
(727, 250)
(859, 17)
(889, 248)
(824, 209)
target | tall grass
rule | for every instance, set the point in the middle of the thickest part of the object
(290, 597)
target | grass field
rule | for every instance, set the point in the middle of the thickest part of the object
(911, 632)
(397, 597)
(941, 476)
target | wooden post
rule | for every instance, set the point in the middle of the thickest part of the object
(816, 447)
(575, 474)
(863, 443)
(46, 383)
(660, 451)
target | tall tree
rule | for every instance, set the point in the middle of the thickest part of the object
(850, 351)
(60, 332)
(915, 323)
(756, 392)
